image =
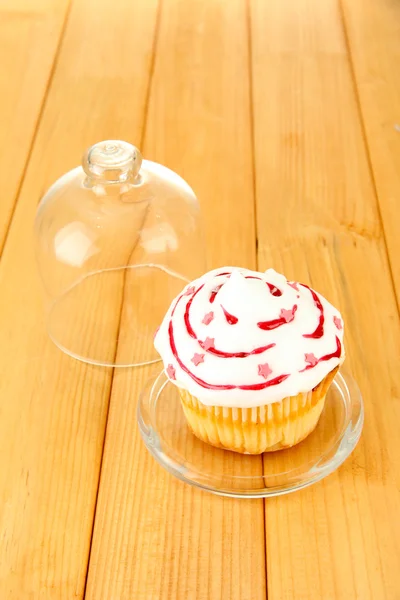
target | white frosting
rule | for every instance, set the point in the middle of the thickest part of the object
(250, 311)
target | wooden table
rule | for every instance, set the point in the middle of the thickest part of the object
(284, 116)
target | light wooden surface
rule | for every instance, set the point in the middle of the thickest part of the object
(30, 34)
(285, 119)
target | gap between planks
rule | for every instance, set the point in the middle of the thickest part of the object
(367, 148)
(142, 138)
(41, 110)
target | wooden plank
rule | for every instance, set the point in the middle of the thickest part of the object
(318, 222)
(373, 33)
(154, 537)
(53, 409)
(29, 38)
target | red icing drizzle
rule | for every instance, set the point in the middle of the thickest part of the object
(186, 315)
(230, 318)
(211, 386)
(336, 354)
(264, 325)
(214, 293)
(215, 351)
(274, 323)
(272, 288)
(223, 354)
(319, 331)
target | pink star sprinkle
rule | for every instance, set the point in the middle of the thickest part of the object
(293, 285)
(171, 372)
(287, 315)
(311, 359)
(208, 318)
(208, 343)
(197, 359)
(264, 370)
(191, 290)
(338, 323)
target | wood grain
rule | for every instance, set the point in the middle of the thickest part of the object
(318, 222)
(373, 33)
(53, 409)
(318, 84)
(29, 38)
(154, 537)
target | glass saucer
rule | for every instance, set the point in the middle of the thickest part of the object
(168, 438)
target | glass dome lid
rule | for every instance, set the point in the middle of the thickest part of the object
(116, 240)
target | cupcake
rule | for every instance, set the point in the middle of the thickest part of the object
(253, 356)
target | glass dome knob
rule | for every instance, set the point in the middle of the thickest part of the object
(113, 161)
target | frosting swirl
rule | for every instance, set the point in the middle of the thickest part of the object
(240, 338)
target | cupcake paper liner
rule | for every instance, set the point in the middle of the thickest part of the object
(260, 429)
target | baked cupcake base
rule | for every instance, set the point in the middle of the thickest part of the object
(260, 429)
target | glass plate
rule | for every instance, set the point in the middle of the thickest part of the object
(164, 430)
